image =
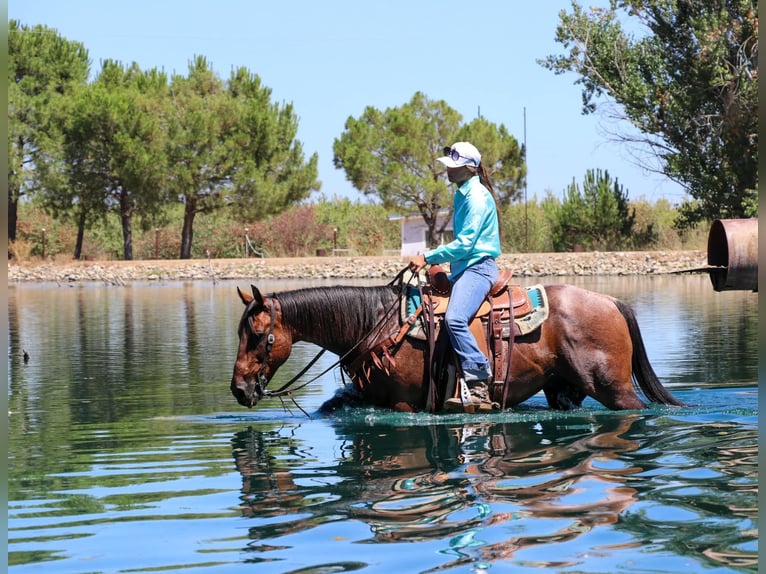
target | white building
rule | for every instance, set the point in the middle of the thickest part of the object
(414, 232)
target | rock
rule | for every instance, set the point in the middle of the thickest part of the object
(384, 268)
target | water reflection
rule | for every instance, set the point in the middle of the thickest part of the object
(551, 484)
(122, 422)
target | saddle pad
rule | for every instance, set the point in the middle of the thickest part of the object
(409, 305)
(411, 302)
(539, 314)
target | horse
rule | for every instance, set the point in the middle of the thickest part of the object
(589, 346)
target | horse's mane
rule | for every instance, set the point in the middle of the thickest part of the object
(338, 312)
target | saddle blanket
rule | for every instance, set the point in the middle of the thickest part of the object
(539, 313)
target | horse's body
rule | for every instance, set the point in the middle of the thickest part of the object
(590, 345)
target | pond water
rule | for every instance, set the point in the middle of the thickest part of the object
(127, 452)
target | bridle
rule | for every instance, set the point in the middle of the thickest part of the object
(260, 376)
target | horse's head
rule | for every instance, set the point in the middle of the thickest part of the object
(264, 344)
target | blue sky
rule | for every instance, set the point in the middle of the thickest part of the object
(331, 59)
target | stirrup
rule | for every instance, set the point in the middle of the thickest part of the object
(469, 403)
(463, 402)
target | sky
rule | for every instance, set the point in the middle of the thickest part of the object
(332, 59)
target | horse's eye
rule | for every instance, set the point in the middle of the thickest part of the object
(247, 325)
(254, 340)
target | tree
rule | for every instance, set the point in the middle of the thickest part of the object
(113, 155)
(501, 155)
(43, 67)
(196, 122)
(598, 217)
(687, 83)
(271, 173)
(67, 193)
(392, 155)
(228, 144)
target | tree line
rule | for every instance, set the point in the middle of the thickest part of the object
(588, 217)
(131, 142)
(147, 148)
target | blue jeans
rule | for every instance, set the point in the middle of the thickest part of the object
(468, 292)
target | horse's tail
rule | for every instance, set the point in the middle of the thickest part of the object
(643, 372)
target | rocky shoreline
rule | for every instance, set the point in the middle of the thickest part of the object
(385, 267)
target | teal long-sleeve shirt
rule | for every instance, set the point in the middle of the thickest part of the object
(475, 225)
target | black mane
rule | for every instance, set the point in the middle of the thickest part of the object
(338, 312)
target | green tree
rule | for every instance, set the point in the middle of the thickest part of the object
(596, 217)
(391, 155)
(43, 67)
(113, 150)
(501, 154)
(687, 83)
(197, 120)
(68, 192)
(230, 144)
(269, 170)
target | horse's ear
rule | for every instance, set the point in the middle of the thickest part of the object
(257, 295)
(244, 296)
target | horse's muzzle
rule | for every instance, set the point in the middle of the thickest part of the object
(246, 392)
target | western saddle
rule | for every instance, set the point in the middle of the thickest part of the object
(493, 326)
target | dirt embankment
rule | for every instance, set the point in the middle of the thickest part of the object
(386, 267)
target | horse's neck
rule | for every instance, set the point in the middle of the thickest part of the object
(334, 323)
(321, 337)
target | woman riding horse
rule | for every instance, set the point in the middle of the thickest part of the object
(590, 345)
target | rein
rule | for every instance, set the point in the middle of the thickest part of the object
(286, 388)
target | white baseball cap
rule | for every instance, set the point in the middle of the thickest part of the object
(461, 153)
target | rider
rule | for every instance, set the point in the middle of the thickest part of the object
(473, 270)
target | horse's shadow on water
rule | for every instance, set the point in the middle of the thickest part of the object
(441, 480)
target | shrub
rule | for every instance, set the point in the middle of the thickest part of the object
(596, 217)
(20, 250)
(525, 228)
(302, 230)
(363, 228)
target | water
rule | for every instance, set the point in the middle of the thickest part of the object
(127, 452)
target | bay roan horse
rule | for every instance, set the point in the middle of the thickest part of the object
(590, 345)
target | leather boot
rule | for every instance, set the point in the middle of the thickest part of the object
(472, 397)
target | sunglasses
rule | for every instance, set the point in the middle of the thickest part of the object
(453, 153)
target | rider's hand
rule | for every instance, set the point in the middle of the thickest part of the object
(417, 263)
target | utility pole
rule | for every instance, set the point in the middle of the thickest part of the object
(526, 214)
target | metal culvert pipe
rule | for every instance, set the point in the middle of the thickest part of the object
(732, 248)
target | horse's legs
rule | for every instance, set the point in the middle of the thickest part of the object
(594, 350)
(344, 397)
(615, 390)
(561, 395)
